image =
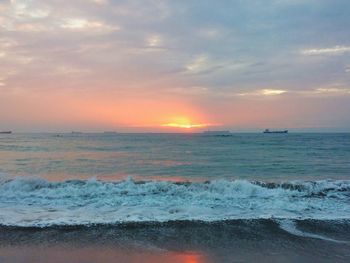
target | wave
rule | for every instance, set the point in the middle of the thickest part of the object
(290, 226)
(34, 202)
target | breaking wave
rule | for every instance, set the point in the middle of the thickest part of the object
(34, 202)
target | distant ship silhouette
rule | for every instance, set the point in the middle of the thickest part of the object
(110, 132)
(5, 132)
(268, 131)
(218, 133)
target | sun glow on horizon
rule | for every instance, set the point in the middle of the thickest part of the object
(184, 126)
(184, 123)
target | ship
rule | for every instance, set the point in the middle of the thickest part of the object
(5, 132)
(268, 131)
(218, 133)
(110, 132)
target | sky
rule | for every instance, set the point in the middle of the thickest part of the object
(184, 65)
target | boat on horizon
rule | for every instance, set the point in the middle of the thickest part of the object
(269, 131)
(217, 133)
(76, 132)
(5, 132)
(110, 132)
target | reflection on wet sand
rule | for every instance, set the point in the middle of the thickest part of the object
(176, 242)
(94, 254)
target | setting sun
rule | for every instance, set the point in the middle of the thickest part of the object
(184, 123)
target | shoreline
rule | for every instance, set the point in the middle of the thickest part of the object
(195, 242)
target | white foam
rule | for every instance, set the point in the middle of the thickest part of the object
(291, 227)
(36, 202)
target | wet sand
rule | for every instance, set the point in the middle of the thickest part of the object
(172, 242)
(93, 254)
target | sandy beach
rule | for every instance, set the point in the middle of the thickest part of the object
(177, 242)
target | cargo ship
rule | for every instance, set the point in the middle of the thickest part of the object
(5, 132)
(268, 131)
(110, 132)
(217, 133)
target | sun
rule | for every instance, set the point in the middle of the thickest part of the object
(183, 123)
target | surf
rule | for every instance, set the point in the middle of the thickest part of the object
(37, 202)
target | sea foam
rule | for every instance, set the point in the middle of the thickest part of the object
(36, 202)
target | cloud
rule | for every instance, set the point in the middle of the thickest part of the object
(198, 64)
(29, 9)
(154, 41)
(194, 90)
(30, 27)
(210, 33)
(70, 70)
(264, 92)
(8, 72)
(144, 11)
(272, 92)
(204, 64)
(40, 16)
(6, 43)
(331, 90)
(100, 2)
(198, 51)
(85, 24)
(326, 51)
(261, 93)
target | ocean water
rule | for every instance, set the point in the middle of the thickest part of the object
(75, 179)
(260, 157)
(296, 184)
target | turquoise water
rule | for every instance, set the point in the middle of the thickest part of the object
(262, 157)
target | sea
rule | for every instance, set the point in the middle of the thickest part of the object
(235, 198)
